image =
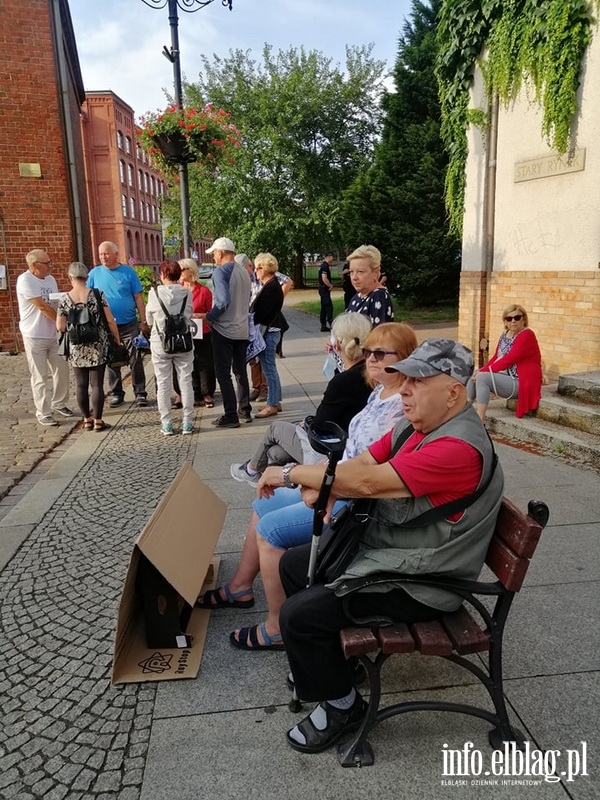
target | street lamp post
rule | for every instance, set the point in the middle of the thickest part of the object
(173, 55)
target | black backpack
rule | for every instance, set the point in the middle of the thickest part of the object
(82, 327)
(176, 336)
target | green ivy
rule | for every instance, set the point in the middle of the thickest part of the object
(537, 45)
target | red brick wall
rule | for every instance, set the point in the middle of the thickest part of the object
(36, 212)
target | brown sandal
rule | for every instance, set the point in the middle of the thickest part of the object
(100, 426)
(87, 424)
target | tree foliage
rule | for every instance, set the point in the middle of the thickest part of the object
(398, 203)
(306, 128)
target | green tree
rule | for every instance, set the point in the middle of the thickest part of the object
(307, 127)
(398, 202)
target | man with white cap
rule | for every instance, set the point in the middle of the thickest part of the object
(438, 489)
(228, 319)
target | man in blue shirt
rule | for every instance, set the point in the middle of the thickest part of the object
(123, 291)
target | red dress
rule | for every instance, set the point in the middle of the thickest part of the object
(526, 357)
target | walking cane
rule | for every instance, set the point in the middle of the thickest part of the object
(329, 440)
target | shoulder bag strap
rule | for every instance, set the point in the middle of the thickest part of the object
(162, 305)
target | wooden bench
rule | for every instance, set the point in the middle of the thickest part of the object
(454, 635)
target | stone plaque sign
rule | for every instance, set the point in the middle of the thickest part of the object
(547, 166)
(30, 170)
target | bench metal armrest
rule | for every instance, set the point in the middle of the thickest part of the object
(463, 588)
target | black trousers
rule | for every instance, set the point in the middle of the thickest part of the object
(311, 621)
(230, 355)
(326, 316)
(86, 377)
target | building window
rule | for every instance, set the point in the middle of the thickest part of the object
(142, 215)
(119, 140)
(128, 144)
(122, 171)
(141, 179)
(130, 174)
(146, 183)
(132, 207)
(153, 184)
(124, 205)
(138, 152)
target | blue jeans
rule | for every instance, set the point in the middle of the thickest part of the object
(269, 366)
(285, 521)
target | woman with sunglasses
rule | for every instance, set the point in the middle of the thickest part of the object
(283, 520)
(515, 369)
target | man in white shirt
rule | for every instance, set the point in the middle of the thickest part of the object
(38, 328)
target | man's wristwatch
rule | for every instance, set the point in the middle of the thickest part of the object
(287, 481)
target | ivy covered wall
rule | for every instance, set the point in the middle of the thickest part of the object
(531, 46)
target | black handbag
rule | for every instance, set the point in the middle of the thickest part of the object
(118, 354)
(339, 543)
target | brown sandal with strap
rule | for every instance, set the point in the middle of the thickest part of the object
(100, 426)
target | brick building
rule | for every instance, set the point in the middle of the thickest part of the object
(123, 189)
(42, 185)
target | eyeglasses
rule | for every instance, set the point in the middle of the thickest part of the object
(514, 318)
(378, 355)
(47, 263)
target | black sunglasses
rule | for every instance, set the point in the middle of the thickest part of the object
(514, 318)
(378, 355)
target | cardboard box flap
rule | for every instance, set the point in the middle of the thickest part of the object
(181, 535)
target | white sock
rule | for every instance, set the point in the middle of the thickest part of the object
(318, 716)
(250, 470)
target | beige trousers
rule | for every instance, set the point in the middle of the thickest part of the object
(49, 374)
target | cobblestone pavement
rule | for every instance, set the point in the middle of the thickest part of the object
(65, 731)
(23, 441)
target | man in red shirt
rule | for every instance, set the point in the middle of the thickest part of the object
(447, 457)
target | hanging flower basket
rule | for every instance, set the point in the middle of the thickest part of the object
(204, 135)
(174, 148)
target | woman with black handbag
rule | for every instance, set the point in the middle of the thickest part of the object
(88, 358)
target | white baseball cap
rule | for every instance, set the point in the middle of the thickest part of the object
(222, 243)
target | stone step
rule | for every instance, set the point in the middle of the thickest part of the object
(541, 436)
(565, 410)
(584, 386)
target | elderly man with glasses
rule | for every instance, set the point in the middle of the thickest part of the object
(37, 322)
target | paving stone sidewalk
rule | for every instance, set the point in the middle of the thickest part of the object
(23, 441)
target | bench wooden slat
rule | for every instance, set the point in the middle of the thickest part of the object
(431, 638)
(465, 632)
(506, 566)
(396, 639)
(517, 530)
(357, 641)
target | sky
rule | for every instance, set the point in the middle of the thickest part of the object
(120, 42)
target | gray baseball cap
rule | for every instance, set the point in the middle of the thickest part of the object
(435, 357)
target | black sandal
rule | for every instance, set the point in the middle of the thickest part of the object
(339, 723)
(212, 599)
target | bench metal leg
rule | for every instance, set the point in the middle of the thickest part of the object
(357, 752)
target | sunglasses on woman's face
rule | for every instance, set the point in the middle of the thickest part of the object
(515, 318)
(378, 355)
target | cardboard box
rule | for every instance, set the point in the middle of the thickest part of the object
(171, 563)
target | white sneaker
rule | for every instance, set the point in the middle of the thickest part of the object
(48, 421)
(167, 430)
(187, 428)
(239, 472)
